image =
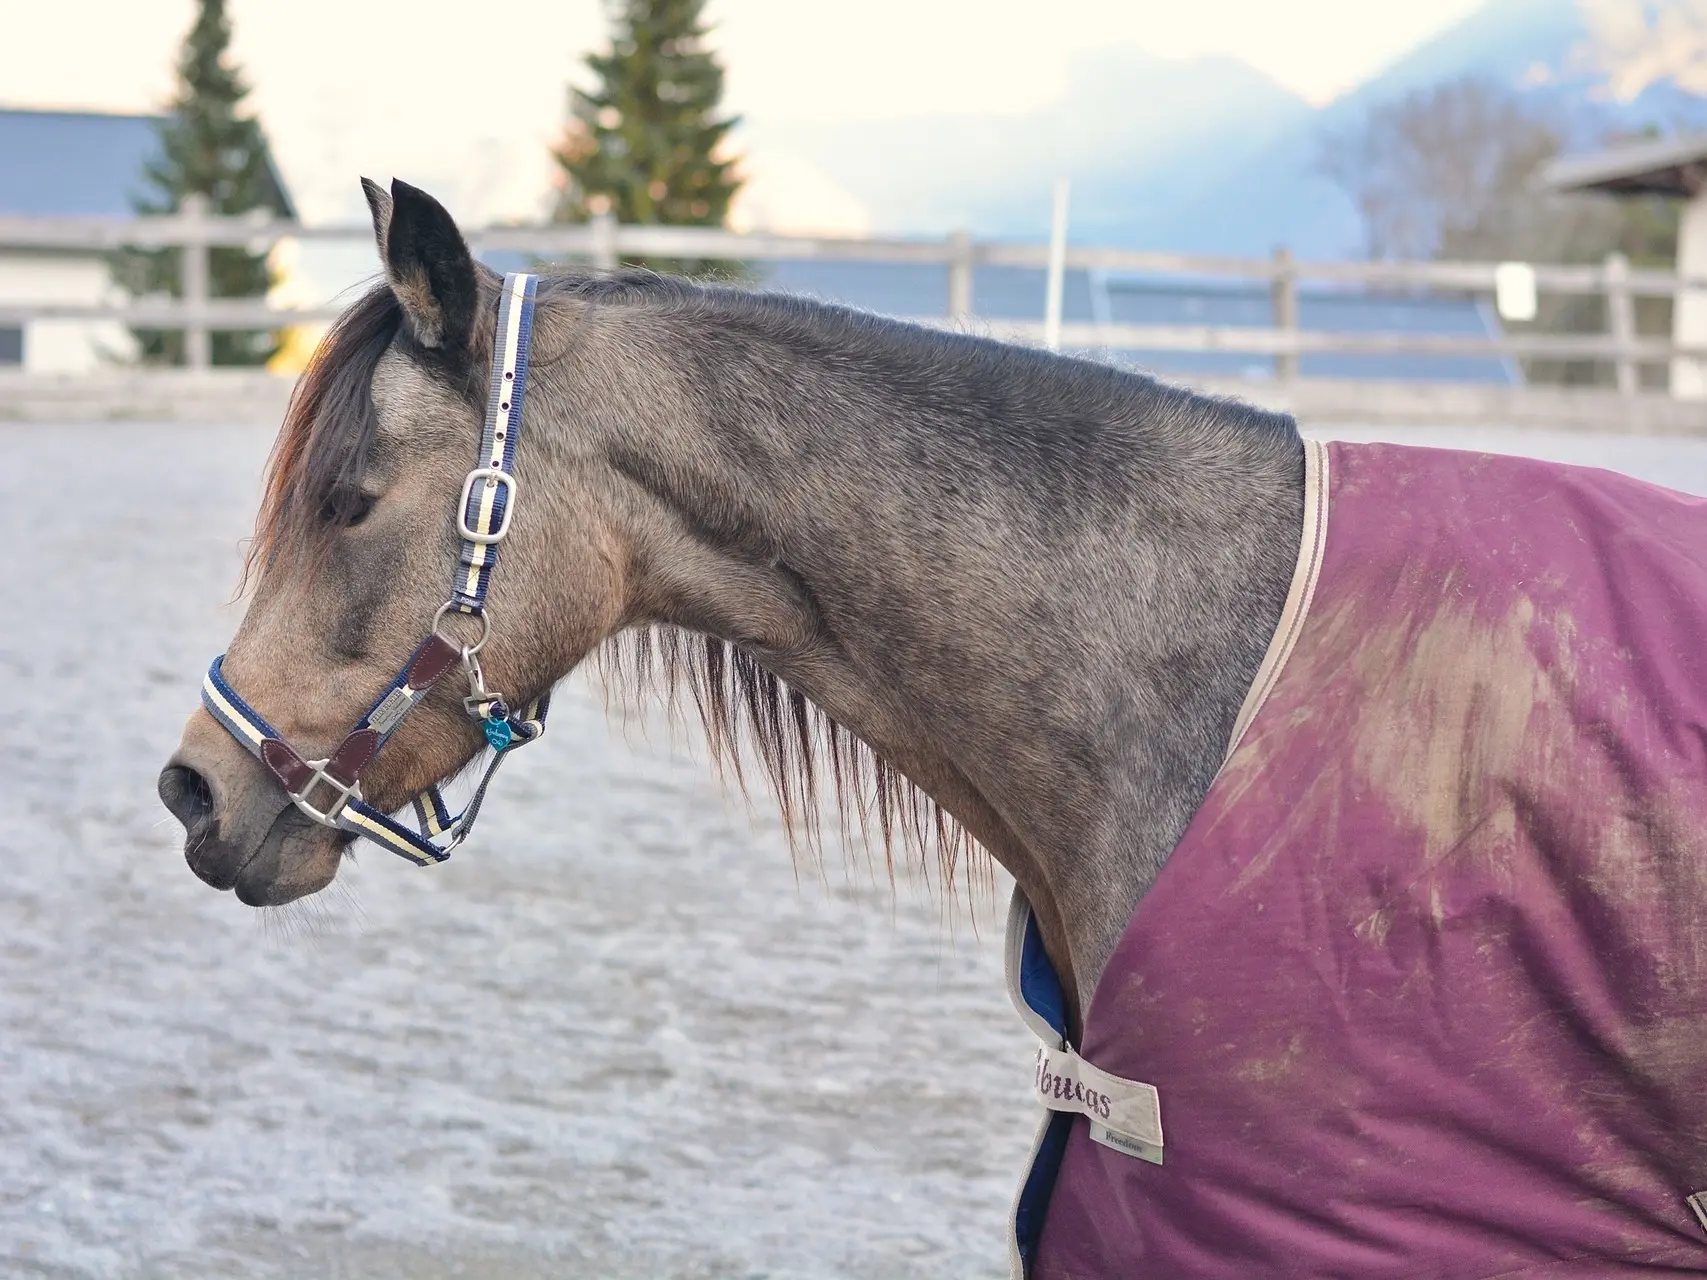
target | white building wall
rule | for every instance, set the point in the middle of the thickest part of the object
(65, 346)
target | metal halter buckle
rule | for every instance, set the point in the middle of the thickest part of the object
(478, 694)
(493, 476)
(480, 699)
(327, 817)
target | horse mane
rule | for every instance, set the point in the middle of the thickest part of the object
(747, 713)
(806, 756)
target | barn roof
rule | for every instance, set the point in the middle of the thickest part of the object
(83, 164)
(1668, 167)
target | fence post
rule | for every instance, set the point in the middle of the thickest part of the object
(1283, 292)
(604, 241)
(1689, 304)
(1056, 282)
(193, 273)
(961, 263)
(1621, 321)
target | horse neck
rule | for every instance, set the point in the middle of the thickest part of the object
(1038, 587)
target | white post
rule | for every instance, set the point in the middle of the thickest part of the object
(1689, 313)
(1621, 322)
(961, 267)
(604, 241)
(194, 275)
(1283, 296)
(1057, 268)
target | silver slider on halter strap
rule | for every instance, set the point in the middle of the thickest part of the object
(494, 476)
(329, 791)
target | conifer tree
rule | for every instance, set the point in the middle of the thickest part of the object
(643, 143)
(208, 146)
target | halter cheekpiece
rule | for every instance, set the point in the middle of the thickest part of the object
(329, 790)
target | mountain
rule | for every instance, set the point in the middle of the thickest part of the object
(1206, 155)
(1129, 131)
(1552, 49)
(1539, 49)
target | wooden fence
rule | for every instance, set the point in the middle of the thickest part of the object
(602, 244)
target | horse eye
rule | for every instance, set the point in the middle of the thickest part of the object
(347, 508)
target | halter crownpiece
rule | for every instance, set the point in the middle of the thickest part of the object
(329, 791)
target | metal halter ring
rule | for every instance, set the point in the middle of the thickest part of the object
(468, 650)
(494, 476)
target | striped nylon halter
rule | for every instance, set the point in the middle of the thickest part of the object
(483, 516)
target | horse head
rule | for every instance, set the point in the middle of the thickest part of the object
(356, 549)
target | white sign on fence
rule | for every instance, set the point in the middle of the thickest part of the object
(1514, 291)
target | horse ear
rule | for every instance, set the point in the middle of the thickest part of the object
(427, 264)
(379, 204)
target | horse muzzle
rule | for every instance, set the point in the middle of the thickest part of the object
(247, 837)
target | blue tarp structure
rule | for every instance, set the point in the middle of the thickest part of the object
(1017, 293)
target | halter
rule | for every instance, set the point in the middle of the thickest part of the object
(483, 516)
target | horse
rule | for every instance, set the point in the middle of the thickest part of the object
(1282, 808)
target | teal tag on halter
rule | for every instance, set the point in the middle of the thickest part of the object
(498, 733)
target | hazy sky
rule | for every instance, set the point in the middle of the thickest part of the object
(469, 94)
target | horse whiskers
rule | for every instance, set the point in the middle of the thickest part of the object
(347, 896)
(306, 919)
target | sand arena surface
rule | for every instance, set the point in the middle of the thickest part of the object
(613, 1037)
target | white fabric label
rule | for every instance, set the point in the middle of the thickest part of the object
(1125, 1115)
(1698, 1202)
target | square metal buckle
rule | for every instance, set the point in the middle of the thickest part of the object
(327, 817)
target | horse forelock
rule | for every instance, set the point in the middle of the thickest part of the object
(321, 452)
(322, 448)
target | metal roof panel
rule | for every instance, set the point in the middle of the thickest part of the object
(1670, 166)
(81, 163)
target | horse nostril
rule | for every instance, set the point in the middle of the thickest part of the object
(186, 794)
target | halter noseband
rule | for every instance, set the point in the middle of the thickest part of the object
(483, 516)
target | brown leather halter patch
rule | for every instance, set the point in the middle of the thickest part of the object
(356, 752)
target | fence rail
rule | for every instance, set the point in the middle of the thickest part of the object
(220, 314)
(602, 243)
